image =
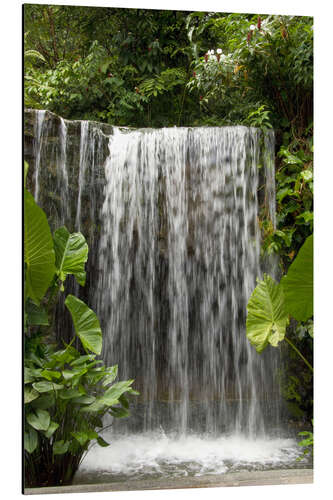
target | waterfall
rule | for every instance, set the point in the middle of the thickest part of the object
(171, 219)
(38, 128)
(179, 257)
(84, 155)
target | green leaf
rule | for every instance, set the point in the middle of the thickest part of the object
(306, 216)
(44, 402)
(101, 442)
(282, 193)
(71, 254)
(287, 236)
(38, 250)
(84, 400)
(39, 420)
(36, 315)
(69, 394)
(298, 283)
(98, 405)
(81, 437)
(30, 374)
(63, 356)
(37, 360)
(310, 329)
(111, 375)
(116, 390)
(119, 412)
(30, 394)
(49, 374)
(68, 374)
(30, 440)
(60, 447)
(124, 402)
(51, 429)
(82, 359)
(86, 324)
(133, 392)
(267, 319)
(44, 386)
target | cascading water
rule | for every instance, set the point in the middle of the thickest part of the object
(179, 257)
(171, 218)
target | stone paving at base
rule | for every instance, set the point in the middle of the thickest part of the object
(245, 478)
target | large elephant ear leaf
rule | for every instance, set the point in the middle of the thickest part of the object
(39, 254)
(298, 283)
(86, 324)
(267, 318)
(71, 251)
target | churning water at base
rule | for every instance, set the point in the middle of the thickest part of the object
(171, 219)
(158, 455)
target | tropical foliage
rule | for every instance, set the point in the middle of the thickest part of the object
(60, 383)
(271, 304)
(270, 308)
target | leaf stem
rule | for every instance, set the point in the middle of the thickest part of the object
(298, 352)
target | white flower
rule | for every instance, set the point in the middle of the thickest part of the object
(212, 52)
(252, 27)
(219, 51)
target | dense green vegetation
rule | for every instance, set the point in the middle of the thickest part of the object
(272, 305)
(163, 68)
(59, 381)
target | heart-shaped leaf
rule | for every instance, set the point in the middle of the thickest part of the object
(51, 429)
(267, 318)
(60, 447)
(39, 420)
(39, 254)
(30, 394)
(71, 254)
(86, 324)
(298, 283)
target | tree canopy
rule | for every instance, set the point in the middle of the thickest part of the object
(140, 67)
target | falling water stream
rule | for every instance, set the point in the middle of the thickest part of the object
(171, 218)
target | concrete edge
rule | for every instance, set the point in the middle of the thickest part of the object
(245, 478)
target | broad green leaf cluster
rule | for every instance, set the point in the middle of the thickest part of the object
(66, 384)
(270, 308)
(271, 304)
(66, 393)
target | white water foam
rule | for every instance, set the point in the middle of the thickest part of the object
(156, 454)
